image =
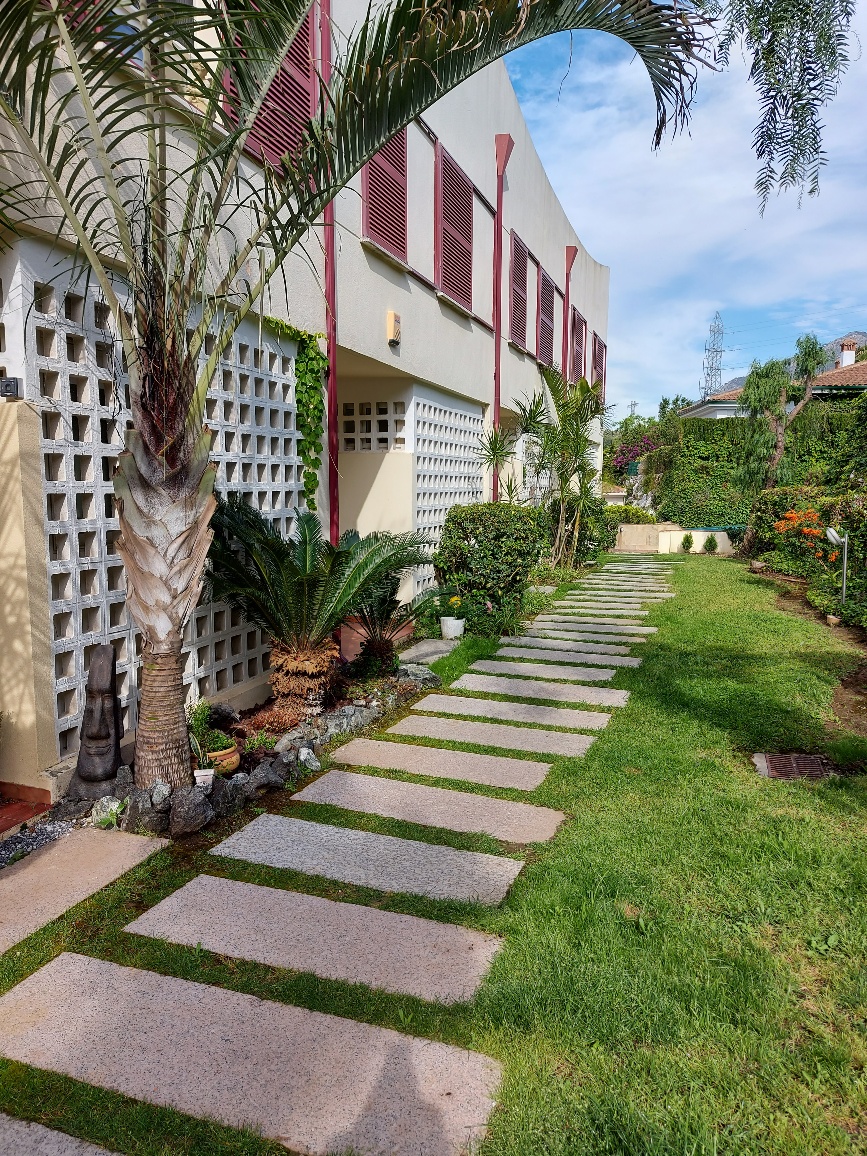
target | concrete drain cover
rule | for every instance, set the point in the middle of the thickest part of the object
(792, 766)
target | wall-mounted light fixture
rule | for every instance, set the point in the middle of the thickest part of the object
(392, 328)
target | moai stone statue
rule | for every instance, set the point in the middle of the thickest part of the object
(101, 730)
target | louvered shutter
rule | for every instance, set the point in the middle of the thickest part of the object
(454, 231)
(545, 322)
(579, 345)
(599, 358)
(518, 293)
(288, 106)
(384, 196)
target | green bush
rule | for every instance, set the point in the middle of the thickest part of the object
(629, 516)
(686, 543)
(490, 548)
(710, 544)
(199, 726)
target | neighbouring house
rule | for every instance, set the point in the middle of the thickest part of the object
(724, 404)
(429, 342)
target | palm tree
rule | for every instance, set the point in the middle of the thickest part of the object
(300, 589)
(123, 129)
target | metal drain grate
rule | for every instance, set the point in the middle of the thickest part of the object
(792, 766)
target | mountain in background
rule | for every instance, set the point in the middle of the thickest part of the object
(832, 349)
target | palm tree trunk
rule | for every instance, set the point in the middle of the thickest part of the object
(162, 743)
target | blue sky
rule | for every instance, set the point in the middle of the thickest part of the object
(680, 228)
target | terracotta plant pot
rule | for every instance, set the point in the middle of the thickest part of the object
(452, 627)
(227, 760)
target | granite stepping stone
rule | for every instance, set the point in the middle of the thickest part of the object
(598, 625)
(313, 1082)
(440, 763)
(26, 1138)
(551, 716)
(572, 637)
(546, 691)
(544, 670)
(557, 644)
(484, 734)
(371, 860)
(400, 953)
(54, 878)
(428, 650)
(434, 806)
(582, 614)
(612, 607)
(568, 656)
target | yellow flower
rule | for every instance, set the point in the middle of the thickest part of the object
(455, 601)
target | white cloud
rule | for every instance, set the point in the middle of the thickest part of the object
(681, 229)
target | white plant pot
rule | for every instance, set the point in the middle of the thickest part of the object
(204, 779)
(452, 627)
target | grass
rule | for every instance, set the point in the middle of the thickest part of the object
(685, 964)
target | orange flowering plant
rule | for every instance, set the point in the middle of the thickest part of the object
(803, 536)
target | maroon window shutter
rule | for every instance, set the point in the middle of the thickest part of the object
(600, 354)
(518, 292)
(579, 345)
(545, 320)
(384, 196)
(289, 105)
(453, 248)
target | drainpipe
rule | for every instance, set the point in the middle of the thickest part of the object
(330, 305)
(571, 254)
(504, 145)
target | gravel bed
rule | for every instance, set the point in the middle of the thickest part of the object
(17, 846)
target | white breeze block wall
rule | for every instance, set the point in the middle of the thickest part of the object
(59, 340)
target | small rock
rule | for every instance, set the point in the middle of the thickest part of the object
(287, 740)
(161, 794)
(240, 779)
(265, 776)
(68, 809)
(359, 702)
(308, 760)
(106, 811)
(125, 781)
(416, 672)
(348, 711)
(833, 620)
(190, 811)
(756, 567)
(225, 797)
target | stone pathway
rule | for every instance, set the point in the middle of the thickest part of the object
(319, 1083)
(23, 1138)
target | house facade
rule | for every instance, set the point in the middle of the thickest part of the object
(442, 277)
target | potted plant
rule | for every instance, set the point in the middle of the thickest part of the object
(452, 624)
(212, 749)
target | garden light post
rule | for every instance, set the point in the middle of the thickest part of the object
(835, 540)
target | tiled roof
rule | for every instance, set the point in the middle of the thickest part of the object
(846, 376)
(729, 395)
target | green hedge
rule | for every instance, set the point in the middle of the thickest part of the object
(627, 515)
(490, 548)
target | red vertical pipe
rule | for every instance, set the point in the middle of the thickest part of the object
(330, 304)
(566, 368)
(504, 145)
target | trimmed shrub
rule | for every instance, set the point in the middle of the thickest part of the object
(490, 548)
(629, 516)
(710, 544)
(686, 543)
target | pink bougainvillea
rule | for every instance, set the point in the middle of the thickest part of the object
(626, 454)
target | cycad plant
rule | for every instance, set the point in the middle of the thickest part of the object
(126, 129)
(381, 617)
(300, 589)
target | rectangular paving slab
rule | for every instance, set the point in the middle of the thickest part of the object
(583, 615)
(521, 712)
(484, 734)
(26, 1138)
(550, 691)
(563, 673)
(434, 806)
(398, 953)
(591, 606)
(441, 763)
(598, 626)
(371, 860)
(52, 879)
(561, 644)
(568, 656)
(583, 635)
(315, 1083)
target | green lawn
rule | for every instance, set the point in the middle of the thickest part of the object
(685, 969)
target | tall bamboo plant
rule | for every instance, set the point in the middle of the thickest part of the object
(125, 130)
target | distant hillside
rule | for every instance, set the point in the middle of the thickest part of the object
(832, 349)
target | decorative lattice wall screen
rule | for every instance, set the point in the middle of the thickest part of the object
(81, 390)
(448, 472)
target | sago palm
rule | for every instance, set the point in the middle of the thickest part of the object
(123, 125)
(300, 589)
